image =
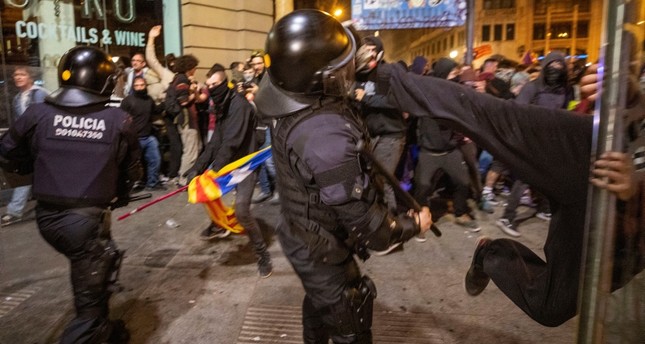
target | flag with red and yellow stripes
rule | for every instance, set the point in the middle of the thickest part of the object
(209, 187)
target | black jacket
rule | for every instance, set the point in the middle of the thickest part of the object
(234, 135)
(381, 116)
(142, 110)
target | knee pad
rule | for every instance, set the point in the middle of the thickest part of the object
(100, 270)
(352, 316)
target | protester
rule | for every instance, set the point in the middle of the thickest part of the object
(29, 94)
(234, 138)
(529, 139)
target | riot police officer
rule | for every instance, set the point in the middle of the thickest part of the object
(332, 209)
(83, 155)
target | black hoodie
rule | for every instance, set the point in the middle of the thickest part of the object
(537, 92)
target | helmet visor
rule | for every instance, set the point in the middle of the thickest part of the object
(338, 82)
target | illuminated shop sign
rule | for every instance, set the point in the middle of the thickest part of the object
(124, 11)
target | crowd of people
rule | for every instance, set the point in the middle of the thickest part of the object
(429, 124)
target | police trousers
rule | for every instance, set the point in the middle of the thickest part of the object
(83, 236)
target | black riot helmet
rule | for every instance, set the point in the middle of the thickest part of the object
(86, 75)
(306, 48)
(309, 54)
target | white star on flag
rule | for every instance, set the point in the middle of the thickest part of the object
(239, 175)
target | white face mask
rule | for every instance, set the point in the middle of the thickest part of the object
(248, 76)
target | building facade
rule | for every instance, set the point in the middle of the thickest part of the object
(514, 27)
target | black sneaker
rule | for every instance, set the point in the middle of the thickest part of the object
(476, 279)
(213, 231)
(508, 227)
(265, 268)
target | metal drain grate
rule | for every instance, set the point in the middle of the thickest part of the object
(9, 301)
(282, 324)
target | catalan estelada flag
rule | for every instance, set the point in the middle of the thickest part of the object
(209, 187)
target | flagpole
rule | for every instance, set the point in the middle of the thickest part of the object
(154, 201)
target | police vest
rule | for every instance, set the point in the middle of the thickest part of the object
(76, 156)
(312, 221)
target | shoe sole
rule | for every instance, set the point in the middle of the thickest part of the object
(267, 275)
(543, 218)
(387, 251)
(481, 238)
(470, 229)
(423, 239)
(510, 232)
(216, 236)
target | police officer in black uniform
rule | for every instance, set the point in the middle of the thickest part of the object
(83, 155)
(332, 209)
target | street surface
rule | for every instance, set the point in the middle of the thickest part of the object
(180, 289)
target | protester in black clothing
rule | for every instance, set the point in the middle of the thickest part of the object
(385, 123)
(331, 206)
(549, 149)
(439, 151)
(143, 110)
(549, 90)
(233, 139)
(84, 156)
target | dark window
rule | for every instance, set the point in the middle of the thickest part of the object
(497, 32)
(561, 30)
(583, 29)
(510, 32)
(485, 33)
(452, 41)
(539, 31)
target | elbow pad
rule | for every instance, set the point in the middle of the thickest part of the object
(378, 230)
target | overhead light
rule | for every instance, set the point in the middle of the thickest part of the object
(453, 54)
(338, 12)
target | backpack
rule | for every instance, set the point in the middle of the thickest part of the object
(171, 104)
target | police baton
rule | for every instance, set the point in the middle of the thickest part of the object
(401, 194)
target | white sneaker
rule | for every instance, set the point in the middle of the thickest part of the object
(421, 237)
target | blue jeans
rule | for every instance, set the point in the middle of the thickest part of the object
(18, 200)
(267, 170)
(150, 147)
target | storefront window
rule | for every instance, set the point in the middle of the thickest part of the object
(37, 33)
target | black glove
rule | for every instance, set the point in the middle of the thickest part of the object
(120, 201)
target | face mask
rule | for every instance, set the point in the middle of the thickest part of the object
(554, 77)
(141, 93)
(248, 77)
(218, 92)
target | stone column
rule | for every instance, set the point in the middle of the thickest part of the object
(283, 7)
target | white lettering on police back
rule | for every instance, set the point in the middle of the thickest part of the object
(78, 122)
